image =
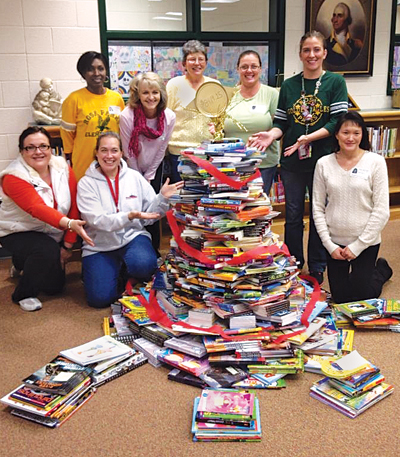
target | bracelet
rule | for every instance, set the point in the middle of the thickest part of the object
(69, 224)
(65, 247)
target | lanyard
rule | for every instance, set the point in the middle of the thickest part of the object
(305, 108)
(115, 195)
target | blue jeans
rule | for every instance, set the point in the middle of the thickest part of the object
(295, 185)
(268, 175)
(101, 271)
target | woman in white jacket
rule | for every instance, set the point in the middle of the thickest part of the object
(117, 202)
(39, 218)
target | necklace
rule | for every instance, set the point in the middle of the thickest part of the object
(351, 163)
(307, 108)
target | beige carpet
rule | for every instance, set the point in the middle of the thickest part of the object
(144, 414)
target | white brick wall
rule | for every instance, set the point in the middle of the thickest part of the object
(41, 38)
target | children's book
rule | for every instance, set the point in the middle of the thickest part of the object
(59, 376)
(97, 350)
(226, 402)
(357, 308)
(184, 362)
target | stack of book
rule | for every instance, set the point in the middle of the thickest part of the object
(377, 313)
(226, 415)
(53, 393)
(351, 386)
(224, 213)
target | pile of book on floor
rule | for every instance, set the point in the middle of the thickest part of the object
(226, 415)
(376, 313)
(53, 393)
(352, 384)
(224, 213)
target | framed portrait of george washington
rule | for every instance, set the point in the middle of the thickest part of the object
(349, 31)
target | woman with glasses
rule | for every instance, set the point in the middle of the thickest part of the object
(254, 107)
(88, 112)
(309, 106)
(38, 217)
(191, 128)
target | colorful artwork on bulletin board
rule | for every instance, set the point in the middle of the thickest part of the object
(222, 62)
(167, 61)
(125, 62)
(396, 68)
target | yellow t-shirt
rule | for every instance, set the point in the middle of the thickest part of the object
(84, 117)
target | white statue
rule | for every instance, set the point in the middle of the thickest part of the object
(47, 104)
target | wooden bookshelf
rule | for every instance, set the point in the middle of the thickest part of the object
(389, 118)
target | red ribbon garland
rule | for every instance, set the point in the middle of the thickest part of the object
(255, 253)
(157, 315)
(213, 171)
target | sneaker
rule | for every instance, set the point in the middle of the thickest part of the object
(384, 268)
(14, 272)
(318, 275)
(30, 304)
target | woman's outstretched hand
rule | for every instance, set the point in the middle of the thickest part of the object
(142, 215)
(167, 190)
(77, 226)
(260, 140)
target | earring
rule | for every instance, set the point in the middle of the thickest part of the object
(107, 80)
(83, 80)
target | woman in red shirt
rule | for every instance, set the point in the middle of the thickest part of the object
(38, 217)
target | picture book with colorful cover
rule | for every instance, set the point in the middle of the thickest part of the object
(97, 350)
(186, 378)
(391, 307)
(357, 308)
(59, 376)
(226, 402)
(184, 362)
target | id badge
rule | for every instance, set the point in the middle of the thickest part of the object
(305, 151)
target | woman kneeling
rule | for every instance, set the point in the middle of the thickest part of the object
(351, 208)
(117, 203)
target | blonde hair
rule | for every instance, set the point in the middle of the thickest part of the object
(153, 80)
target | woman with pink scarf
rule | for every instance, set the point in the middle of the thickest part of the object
(146, 126)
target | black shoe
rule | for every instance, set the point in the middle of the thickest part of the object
(384, 268)
(318, 275)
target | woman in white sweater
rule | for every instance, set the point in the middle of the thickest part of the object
(351, 208)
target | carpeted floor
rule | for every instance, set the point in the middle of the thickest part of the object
(144, 414)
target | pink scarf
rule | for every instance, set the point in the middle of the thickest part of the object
(140, 127)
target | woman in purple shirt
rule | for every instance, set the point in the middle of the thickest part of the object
(146, 126)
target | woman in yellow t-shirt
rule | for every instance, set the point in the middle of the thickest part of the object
(88, 112)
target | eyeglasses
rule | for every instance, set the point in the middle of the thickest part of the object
(251, 67)
(42, 148)
(197, 59)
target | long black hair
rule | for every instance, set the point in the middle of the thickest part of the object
(355, 118)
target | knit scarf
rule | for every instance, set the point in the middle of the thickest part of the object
(140, 127)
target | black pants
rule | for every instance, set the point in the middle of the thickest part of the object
(38, 255)
(154, 229)
(356, 280)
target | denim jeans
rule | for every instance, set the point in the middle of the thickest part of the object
(268, 175)
(295, 185)
(101, 271)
